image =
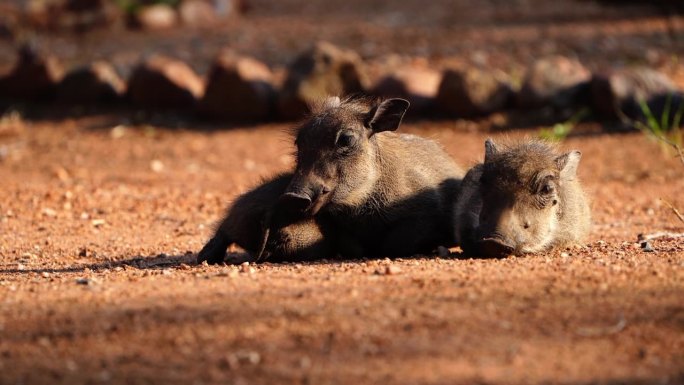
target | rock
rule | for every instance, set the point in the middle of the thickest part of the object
(42, 14)
(555, 81)
(87, 281)
(157, 165)
(646, 247)
(90, 14)
(226, 8)
(84, 5)
(96, 83)
(162, 82)
(10, 21)
(473, 92)
(246, 268)
(417, 85)
(443, 252)
(245, 357)
(71, 15)
(319, 72)
(197, 13)
(238, 88)
(621, 90)
(34, 77)
(156, 17)
(388, 270)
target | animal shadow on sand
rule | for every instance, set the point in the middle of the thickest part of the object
(156, 262)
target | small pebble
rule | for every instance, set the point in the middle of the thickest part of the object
(305, 362)
(389, 270)
(249, 357)
(85, 281)
(48, 212)
(646, 247)
(118, 131)
(156, 165)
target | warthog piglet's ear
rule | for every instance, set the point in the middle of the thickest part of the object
(490, 149)
(332, 102)
(567, 164)
(387, 115)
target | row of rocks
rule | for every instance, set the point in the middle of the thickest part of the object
(560, 84)
(81, 15)
(243, 89)
(193, 13)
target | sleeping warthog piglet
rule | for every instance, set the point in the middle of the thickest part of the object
(523, 199)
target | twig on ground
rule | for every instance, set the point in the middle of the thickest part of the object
(660, 234)
(674, 209)
(674, 145)
(645, 239)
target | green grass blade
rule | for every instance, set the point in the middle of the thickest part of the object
(677, 120)
(652, 122)
(666, 113)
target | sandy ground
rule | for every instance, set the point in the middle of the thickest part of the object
(99, 226)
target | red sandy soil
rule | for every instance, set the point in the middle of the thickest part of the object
(98, 284)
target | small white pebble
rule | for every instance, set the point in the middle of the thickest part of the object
(118, 131)
(156, 165)
(250, 165)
